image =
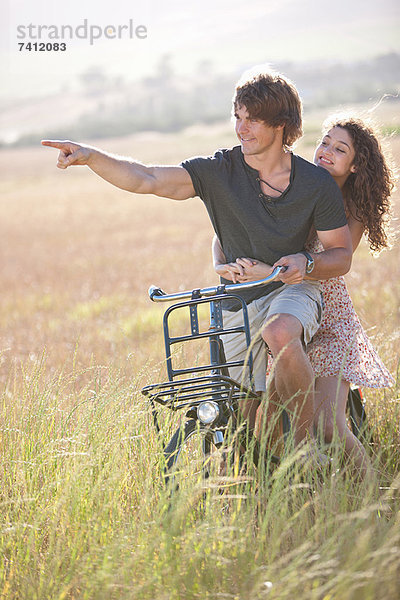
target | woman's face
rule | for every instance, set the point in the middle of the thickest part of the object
(336, 154)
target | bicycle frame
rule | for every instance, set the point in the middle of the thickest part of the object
(216, 385)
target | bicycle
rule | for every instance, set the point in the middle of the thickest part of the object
(213, 426)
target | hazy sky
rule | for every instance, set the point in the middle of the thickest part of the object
(232, 33)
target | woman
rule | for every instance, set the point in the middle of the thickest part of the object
(341, 352)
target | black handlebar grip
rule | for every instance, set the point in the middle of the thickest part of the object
(155, 291)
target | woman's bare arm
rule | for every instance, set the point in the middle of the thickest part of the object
(243, 269)
(230, 271)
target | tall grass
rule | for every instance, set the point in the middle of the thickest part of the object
(85, 513)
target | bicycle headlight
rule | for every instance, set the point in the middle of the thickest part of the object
(208, 412)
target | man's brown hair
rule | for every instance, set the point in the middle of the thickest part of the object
(272, 98)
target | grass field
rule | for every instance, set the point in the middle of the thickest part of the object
(84, 514)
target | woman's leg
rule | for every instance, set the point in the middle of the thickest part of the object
(330, 410)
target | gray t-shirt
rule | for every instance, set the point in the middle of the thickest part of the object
(249, 223)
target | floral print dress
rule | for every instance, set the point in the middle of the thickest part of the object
(341, 347)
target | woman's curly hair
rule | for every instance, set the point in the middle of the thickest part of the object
(370, 187)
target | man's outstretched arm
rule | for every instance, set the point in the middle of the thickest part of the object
(125, 173)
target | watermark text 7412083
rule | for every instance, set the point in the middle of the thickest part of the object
(42, 46)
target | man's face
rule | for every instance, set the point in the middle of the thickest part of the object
(255, 136)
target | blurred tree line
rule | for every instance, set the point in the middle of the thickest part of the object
(162, 101)
(165, 101)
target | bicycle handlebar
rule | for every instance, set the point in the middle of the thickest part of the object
(156, 294)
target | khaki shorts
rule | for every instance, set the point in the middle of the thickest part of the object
(302, 300)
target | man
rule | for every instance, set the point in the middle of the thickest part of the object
(262, 201)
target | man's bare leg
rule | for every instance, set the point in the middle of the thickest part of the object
(294, 377)
(268, 416)
(248, 408)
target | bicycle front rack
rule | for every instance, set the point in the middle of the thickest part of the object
(190, 392)
(215, 385)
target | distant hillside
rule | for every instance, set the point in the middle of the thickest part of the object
(102, 106)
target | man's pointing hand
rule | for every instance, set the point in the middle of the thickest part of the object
(70, 153)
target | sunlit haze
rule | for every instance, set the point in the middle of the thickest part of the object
(229, 33)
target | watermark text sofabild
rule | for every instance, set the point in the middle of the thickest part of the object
(84, 31)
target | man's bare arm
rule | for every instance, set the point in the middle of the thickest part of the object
(170, 182)
(335, 260)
